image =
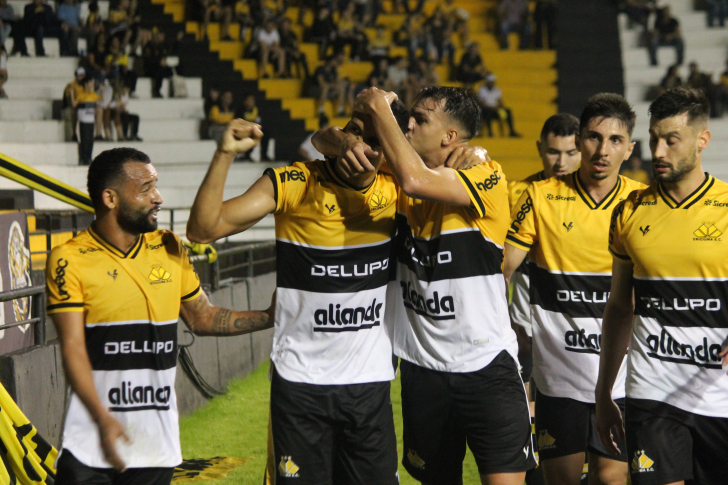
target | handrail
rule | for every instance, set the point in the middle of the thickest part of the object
(37, 307)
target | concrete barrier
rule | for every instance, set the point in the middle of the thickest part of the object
(34, 376)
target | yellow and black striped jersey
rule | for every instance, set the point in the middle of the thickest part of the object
(333, 245)
(448, 302)
(566, 233)
(520, 305)
(680, 257)
(130, 303)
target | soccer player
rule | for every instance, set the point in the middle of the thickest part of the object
(331, 411)
(563, 224)
(460, 380)
(115, 292)
(669, 250)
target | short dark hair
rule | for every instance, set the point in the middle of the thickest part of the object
(401, 114)
(460, 103)
(560, 124)
(608, 105)
(107, 168)
(677, 101)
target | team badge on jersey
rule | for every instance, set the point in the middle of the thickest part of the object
(642, 463)
(378, 201)
(159, 275)
(287, 467)
(707, 232)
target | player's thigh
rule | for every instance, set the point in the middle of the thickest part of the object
(434, 448)
(303, 440)
(492, 409)
(710, 450)
(563, 470)
(659, 443)
(562, 426)
(366, 444)
(70, 471)
(604, 470)
(147, 476)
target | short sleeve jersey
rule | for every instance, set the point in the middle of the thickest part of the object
(333, 245)
(86, 107)
(680, 257)
(566, 232)
(450, 310)
(130, 303)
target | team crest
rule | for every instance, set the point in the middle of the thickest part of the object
(378, 201)
(415, 459)
(287, 467)
(19, 269)
(159, 275)
(707, 232)
(642, 463)
(545, 440)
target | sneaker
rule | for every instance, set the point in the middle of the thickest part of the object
(135, 138)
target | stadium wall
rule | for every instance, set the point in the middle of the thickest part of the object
(589, 52)
(34, 376)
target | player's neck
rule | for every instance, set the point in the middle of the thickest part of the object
(682, 189)
(598, 189)
(109, 230)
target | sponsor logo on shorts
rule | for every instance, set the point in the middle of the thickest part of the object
(348, 271)
(287, 467)
(545, 440)
(666, 348)
(707, 232)
(127, 397)
(437, 307)
(415, 459)
(642, 463)
(337, 319)
(580, 341)
(159, 275)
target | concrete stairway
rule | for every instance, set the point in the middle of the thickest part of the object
(707, 47)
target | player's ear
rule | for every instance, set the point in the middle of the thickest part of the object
(450, 137)
(110, 198)
(703, 139)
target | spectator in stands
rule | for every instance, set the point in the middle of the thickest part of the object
(7, 20)
(638, 10)
(69, 14)
(251, 113)
(670, 80)
(3, 70)
(110, 101)
(347, 33)
(457, 17)
(323, 30)
(220, 12)
(212, 98)
(122, 22)
(307, 151)
(471, 69)
(37, 19)
(491, 102)
(292, 49)
(513, 17)
(723, 90)
(379, 44)
(85, 103)
(94, 25)
(68, 111)
(702, 81)
(220, 115)
(129, 121)
(440, 32)
(155, 62)
(268, 42)
(717, 9)
(367, 11)
(416, 36)
(331, 86)
(666, 33)
(397, 77)
(545, 17)
(635, 171)
(378, 77)
(117, 67)
(243, 16)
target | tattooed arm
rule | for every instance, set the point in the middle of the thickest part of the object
(204, 319)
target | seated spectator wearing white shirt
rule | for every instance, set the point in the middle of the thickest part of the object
(491, 102)
(269, 46)
(307, 151)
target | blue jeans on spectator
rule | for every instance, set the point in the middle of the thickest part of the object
(719, 9)
(524, 30)
(677, 43)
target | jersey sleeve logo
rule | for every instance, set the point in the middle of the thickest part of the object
(292, 175)
(521, 215)
(60, 279)
(159, 275)
(378, 201)
(489, 182)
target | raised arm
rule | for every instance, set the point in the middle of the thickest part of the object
(210, 217)
(77, 366)
(417, 180)
(206, 319)
(616, 334)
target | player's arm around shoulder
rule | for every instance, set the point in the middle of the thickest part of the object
(211, 218)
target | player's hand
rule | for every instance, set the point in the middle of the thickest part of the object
(372, 99)
(240, 136)
(111, 430)
(271, 311)
(353, 159)
(609, 417)
(724, 354)
(466, 157)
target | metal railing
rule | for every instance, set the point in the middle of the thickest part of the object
(37, 308)
(235, 263)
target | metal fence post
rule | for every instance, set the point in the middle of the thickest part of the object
(38, 311)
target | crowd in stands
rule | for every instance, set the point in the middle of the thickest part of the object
(716, 92)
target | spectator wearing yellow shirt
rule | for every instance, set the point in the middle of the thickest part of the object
(636, 172)
(85, 103)
(242, 15)
(250, 113)
(94, 25)
(69, 111)
(220, 115)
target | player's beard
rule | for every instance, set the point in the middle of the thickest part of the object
(135, 221)
(682, 168)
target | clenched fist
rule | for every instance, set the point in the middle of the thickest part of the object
(240, 136)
